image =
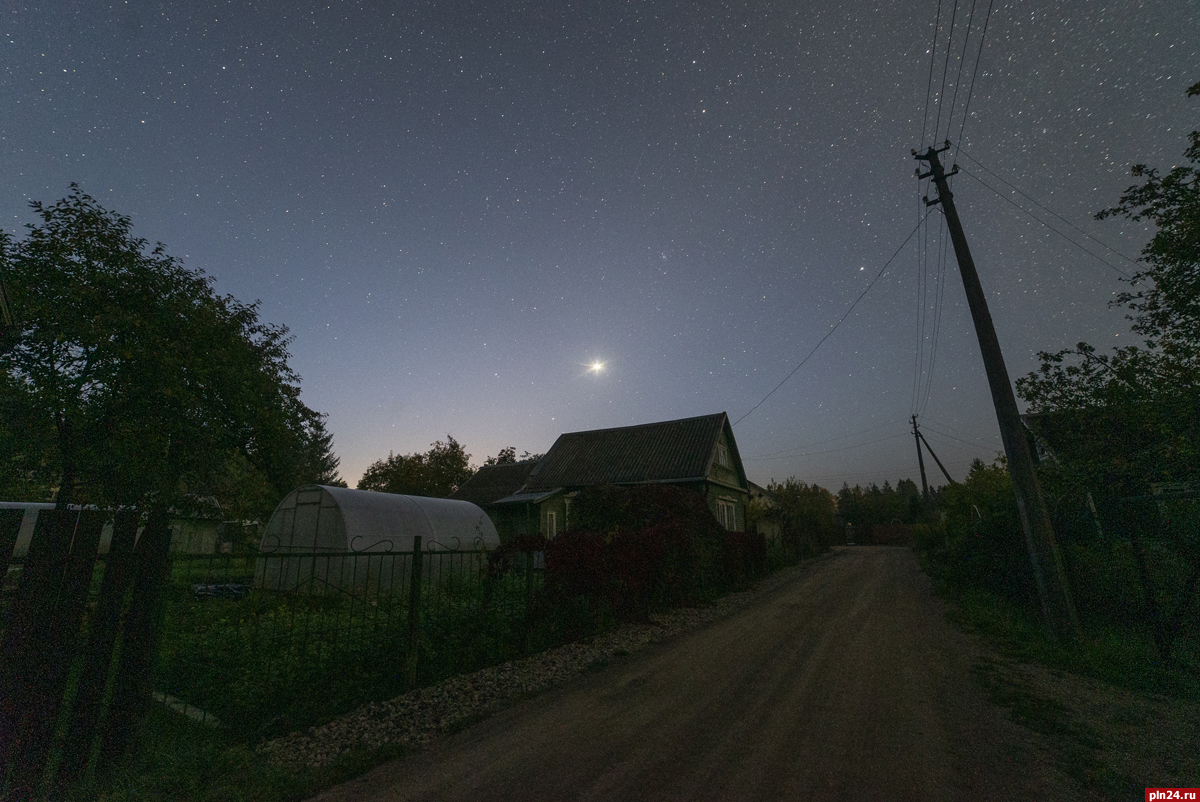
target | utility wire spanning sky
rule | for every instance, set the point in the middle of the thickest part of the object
(459, 208)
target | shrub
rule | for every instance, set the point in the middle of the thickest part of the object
(650, 547)
(607, 508)
(983, 545)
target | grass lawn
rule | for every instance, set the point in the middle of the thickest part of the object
(1118, 719)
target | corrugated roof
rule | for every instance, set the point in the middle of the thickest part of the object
(527, 498)
(652, 452)
(493, 482)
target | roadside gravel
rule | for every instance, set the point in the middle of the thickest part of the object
(419, 716)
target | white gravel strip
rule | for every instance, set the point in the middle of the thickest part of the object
(417, 717)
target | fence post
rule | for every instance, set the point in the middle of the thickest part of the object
(414, 612)
(26, 622)
(528, 601)
(133, 688)
(98, 654)
(48, 683)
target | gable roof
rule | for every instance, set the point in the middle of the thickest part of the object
(674, 450)
(493, 482)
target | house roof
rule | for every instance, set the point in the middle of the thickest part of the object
(493, 482)
(675, 450)
(528, 498)
(757, 491)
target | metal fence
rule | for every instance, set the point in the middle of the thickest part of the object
(267, 642)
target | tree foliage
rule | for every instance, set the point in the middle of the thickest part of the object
(874, 505)
(805, 513)
(983, 544)
(436, 473)
(1152, 389)
(126, 377)
(508, 456)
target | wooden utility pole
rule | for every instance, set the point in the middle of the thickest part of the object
(1058, 610)
(920, 459)
(933, 454)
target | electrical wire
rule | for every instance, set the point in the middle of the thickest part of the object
(937, 21)
(1046, 209)
(937, 438)
(939, 293)
(828, 451)
(945, 70)
(919, 351)
(1092, 254)
(944, 425)
(974, 72)
(834, 328)
(830, 440)
(925, 425)
(962, 60)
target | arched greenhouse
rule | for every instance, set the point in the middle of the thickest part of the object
(322, 538)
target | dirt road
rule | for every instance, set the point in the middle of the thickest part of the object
(844, 683)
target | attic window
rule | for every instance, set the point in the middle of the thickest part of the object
(722, 455)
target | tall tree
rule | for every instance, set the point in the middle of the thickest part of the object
(134, 379)
(437, 473)
(135, 384)
(1147, 393)
(805, 512)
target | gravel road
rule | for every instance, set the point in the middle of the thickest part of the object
(844, 682)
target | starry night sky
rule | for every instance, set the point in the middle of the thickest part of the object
(456, 207)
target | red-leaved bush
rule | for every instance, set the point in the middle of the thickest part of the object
(664, 548)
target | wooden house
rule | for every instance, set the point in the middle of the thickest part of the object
(697, 453)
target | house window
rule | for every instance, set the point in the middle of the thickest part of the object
(727, 514)
(722, 455)
(551, 524)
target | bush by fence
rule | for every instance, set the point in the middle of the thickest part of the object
(636, 549)
(1132, 561)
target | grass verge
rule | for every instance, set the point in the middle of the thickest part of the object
(1117, 718)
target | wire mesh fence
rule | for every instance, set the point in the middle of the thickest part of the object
(266, 642)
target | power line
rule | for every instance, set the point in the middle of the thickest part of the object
(919, 352)
(878, 276)
(973, 446)
(926, 425)
(944, 425)
(827, 451)
(1044, 208)
(856, 476)
(1001, 195)
(939, 294)
(830, 440)
(962, 60)
(945, 70)
(937, 21)
(974, 72)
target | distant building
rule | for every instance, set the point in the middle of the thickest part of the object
(766, 519)
(697, 453)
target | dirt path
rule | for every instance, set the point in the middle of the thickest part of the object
(844, 683)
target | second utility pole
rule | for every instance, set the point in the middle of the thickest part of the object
(1058, 610)
(920, 459)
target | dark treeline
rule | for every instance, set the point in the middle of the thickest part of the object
(874, 505)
